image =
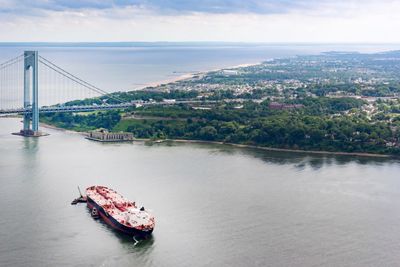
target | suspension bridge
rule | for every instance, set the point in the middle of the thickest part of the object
(20, 94)
(22, 77)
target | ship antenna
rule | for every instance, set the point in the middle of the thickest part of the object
(79, 191)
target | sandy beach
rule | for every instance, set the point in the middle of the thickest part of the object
(188, 76)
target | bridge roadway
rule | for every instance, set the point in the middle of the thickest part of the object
(53, 109)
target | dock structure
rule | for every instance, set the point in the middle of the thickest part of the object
(103, 135)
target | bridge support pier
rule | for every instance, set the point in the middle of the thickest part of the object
(31, 100)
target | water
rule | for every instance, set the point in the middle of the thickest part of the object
(129, 66)
(214, 205)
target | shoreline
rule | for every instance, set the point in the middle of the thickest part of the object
(179, 78)
(190, 75)
(49, 126)
(191, 141)
(320, 152)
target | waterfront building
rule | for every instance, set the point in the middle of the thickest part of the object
(106, 136)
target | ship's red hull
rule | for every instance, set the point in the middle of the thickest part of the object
(113, 222)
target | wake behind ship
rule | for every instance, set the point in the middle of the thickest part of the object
(118, 212)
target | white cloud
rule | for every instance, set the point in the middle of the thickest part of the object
(351, 21)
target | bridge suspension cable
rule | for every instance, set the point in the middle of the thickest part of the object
(11, 61)
(76, 79)
(11, 83)
(56, 86)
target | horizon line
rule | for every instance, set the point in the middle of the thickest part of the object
(5, 43)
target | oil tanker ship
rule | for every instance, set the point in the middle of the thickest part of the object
(118, 212)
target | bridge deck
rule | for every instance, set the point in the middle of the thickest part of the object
(98, 107)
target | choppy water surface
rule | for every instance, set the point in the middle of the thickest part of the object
(214, 205)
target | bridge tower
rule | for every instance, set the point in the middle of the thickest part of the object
(31, 94)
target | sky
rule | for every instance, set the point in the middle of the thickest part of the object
(309, 21)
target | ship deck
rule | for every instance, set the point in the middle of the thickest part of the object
(120, 208)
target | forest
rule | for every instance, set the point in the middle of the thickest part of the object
(319, 125)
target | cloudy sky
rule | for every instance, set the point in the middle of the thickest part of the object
(371, 21)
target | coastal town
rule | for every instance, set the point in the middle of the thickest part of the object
(357, 94)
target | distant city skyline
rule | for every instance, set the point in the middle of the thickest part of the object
(324, 21)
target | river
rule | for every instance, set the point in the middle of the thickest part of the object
(215, 205)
